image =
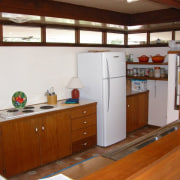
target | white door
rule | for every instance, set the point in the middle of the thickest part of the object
(114, 96)
(114, 64)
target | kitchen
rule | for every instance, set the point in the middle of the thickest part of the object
(31, 65)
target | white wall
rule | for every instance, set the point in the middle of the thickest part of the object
(33, 70)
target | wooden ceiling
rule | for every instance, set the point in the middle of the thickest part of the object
(63, 10)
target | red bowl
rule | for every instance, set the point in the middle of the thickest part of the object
(158, 59)
(143, 58)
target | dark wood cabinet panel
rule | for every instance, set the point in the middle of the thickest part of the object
(137, 111)
(20, 145)
(84, 128)
(55, 140)
(63, 133)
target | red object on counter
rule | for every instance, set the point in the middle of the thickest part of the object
(75, 94)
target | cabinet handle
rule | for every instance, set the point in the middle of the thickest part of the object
(84, 144)
(84, 122)
(36, 129)
(43, 128)
(128, 105)
(84, 112)
(84, 133)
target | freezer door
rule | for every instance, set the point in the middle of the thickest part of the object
(114, 64)
(114, 97)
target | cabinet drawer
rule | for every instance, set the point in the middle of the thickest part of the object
(83, 122)
(83, 111)
(83, 133)
(84, 144)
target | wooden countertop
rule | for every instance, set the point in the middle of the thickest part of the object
(129, 167)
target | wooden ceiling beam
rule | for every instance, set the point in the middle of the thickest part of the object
(172, 3)
(64, 10)
(155, 17)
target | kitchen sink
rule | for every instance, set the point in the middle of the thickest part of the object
(46, 107)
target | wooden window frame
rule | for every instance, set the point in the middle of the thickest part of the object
(77, 36)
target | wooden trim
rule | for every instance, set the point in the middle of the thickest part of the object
(164, 16)
(65, 10)
(148, 38)
(104, 38)
(173, 35)
(172, 3)
(77, 36)
(43, 35)
(126, 39)
(1, 33)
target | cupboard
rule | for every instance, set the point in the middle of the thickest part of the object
(35, 140)
(137, 111)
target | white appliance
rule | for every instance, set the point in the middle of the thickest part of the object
(103, 77)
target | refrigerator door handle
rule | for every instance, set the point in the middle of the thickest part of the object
(108, 78)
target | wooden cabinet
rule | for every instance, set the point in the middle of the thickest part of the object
(20, 145)
(32, 141)
(84, 130)
(137, 111)
(55, 136)
(36, 140)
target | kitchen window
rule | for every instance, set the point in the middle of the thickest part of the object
(160, 37)
(115, 38)
(137, 39)
(60, 35)
(21, 34)
(90, 37)
(177, 35)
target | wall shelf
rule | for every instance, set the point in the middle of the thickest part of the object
(148, 63)
(146, 78)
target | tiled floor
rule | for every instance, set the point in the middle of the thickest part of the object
(70, 160)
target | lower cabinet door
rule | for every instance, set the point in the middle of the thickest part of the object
(20, 145)
(55, 141)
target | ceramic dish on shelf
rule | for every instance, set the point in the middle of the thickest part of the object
(143, 58)
(19, 99)
(158, 58)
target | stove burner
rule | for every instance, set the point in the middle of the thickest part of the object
(29, 107)
(46, 107)
(12, 110)
(27, 111)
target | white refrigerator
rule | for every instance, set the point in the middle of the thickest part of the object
(103, 75)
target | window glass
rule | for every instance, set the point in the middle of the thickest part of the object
(20, 18)
(114, 26)
(90, 23)
(115, 38)
(60, 35)
(135, 39)
(90, 37)
(21, 34)
(160, 37)
(177, 35)
(59, 20)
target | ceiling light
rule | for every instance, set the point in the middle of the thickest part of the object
(130, 1)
